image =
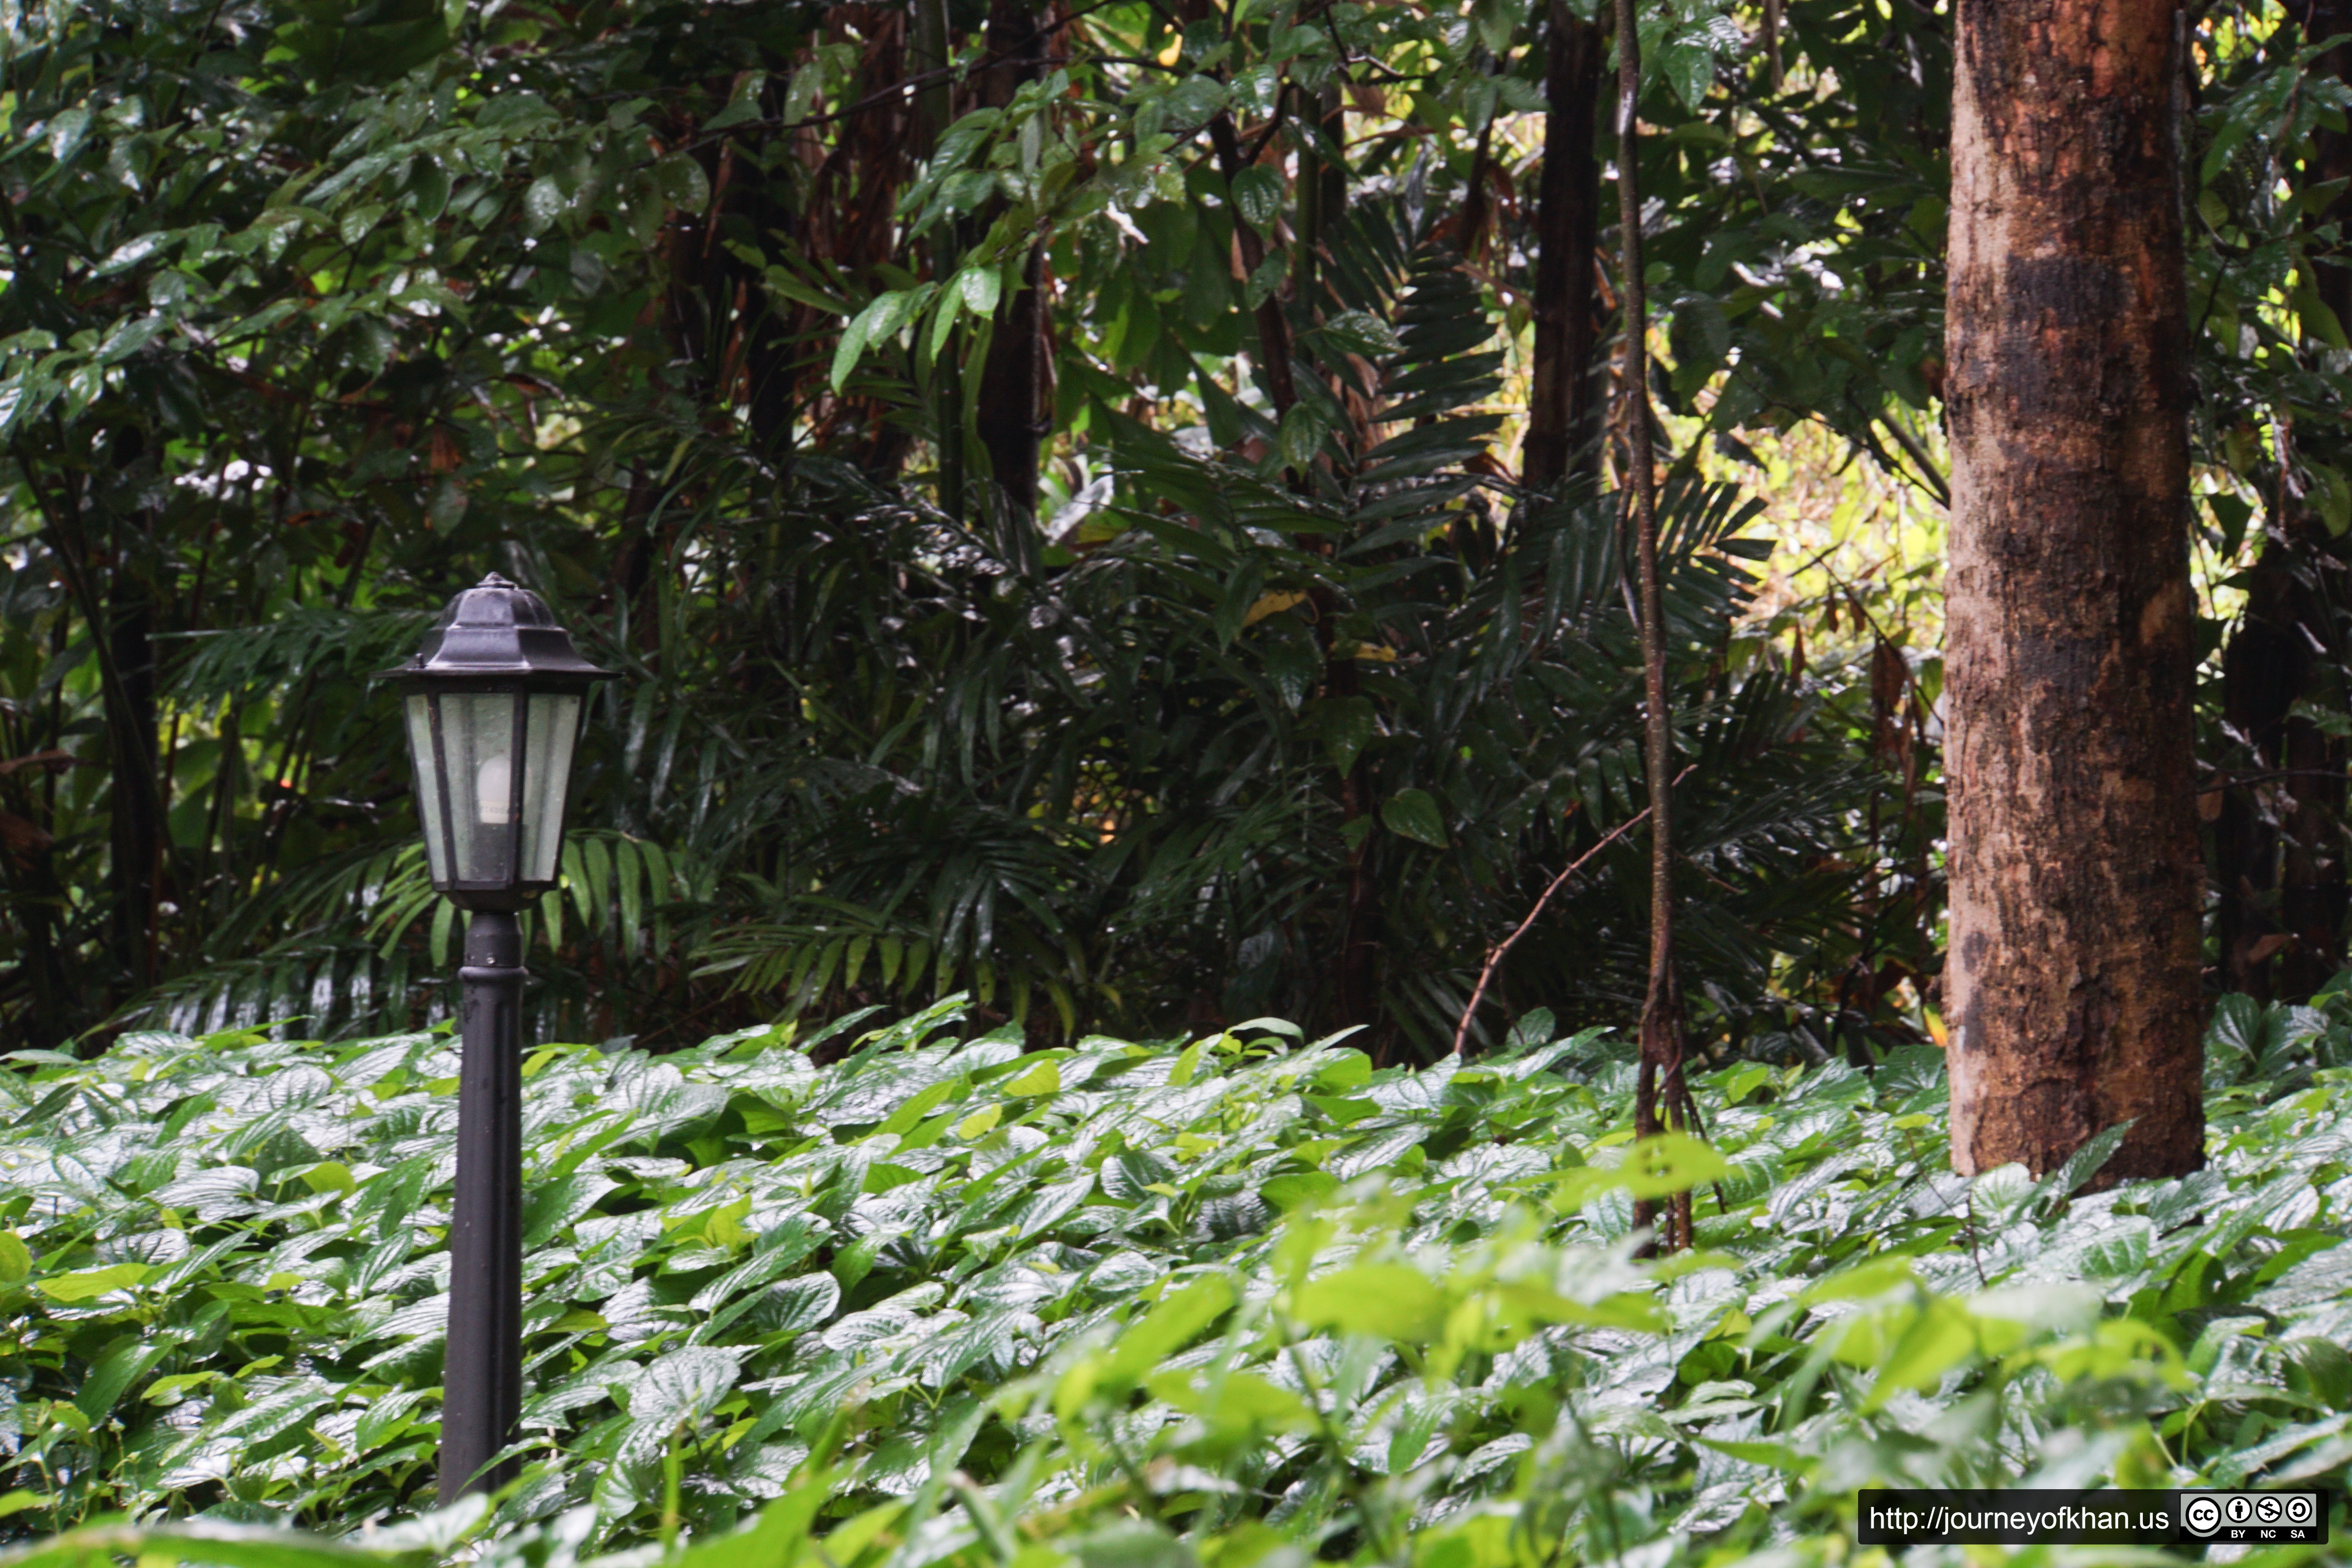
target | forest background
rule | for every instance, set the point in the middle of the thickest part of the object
(1105, 506)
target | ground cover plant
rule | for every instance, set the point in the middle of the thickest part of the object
(1245, 1298)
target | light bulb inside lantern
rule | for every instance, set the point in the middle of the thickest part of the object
(493, 790)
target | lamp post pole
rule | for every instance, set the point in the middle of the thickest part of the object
(493, 702)
(482, 1382)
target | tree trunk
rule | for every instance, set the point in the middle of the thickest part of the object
(2279, 859)
(1009, 416)
(2071, 978)
(1564, 400)
(2314, 894)
(37, 897)
(1274, 377)
(134, 812)
(933, 57)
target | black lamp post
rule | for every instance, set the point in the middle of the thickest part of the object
(493, 700)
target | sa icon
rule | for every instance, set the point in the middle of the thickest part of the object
(2201, 1514)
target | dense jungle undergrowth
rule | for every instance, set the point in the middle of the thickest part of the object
(1106, 508)
(1244, 1299)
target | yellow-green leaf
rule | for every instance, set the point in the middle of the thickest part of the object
(330, 1175)
(94, 1282)
(1046, 1077)
(1671, 1163)
(1384, 1299)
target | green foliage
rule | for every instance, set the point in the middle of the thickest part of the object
(1287, 709)
(2271, 343)
(687, 317)
(1215, 747)
(943, 1300)
(275, 375)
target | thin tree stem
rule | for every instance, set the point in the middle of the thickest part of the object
(1662, 1041)
(1495, 955)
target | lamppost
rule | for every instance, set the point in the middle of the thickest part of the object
(493, 700)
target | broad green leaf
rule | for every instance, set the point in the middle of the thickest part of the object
(554, 1204)
(1654, 1168)
(743, 101)
(330, 1176)
(1188, 1062)
(683, 1387)
(1388, 1300)
(1347, 726)
(1171, 1323)
(1690, 66)
(1671, 1163)
(978, 287)
(1258, 195)
(114, 1375)
(1496, 21)
(2236, 1028)
(943, 321)
(1301, 435)
(2011, 1315)
(800, 1304)
(1939, 1337)
(1046, 1077)
(542, 204)
(94, 1282)
(1301, 1189)
(1240, 1397)
(877, 323)
(683, 184)
(1360, 332)
(1414, 814)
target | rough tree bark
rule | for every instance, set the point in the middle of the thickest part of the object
(1009, 415)
(2072, 977)
(1564, 397)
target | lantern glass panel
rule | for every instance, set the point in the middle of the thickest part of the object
(554, 727)
(428, 767)
(477, 762)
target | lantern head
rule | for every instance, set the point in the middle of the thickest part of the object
(494, 701)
